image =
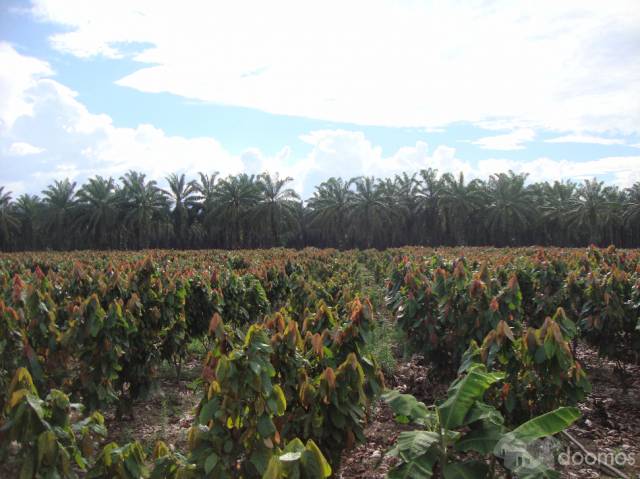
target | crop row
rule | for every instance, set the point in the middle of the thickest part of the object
(288, 375)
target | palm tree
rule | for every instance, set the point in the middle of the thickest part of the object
(183, 196)
(587, 209)
(277, 205)
(330, 206)
(556, 202)
(28, 210)
(234, 198)
(145, 206)
(303, 220)
(457, 202)
(97, 210)
(248, 210)
(8, 219)
(632, 205)
(369, 211)
(613, 218)
(395, 230)
(428, 193)
(59, 201)
(509, 206)
(407, 189)
(204, 195)
(632, 209)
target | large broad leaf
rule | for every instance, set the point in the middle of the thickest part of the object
(521, 456)
(419, 468)
(482, 439)
(464, 393)
(274, 469)
(465, 470)
(406, 405)
(470, 357)
(484, 412)
(313, 462)
(547, 424)
(412, 444)
(211, 462)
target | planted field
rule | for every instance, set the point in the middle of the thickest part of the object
(280, 363)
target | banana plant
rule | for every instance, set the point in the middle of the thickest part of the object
(464, 437)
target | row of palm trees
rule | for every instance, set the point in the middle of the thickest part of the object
(249, 211)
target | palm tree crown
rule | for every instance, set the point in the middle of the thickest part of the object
(248, 211)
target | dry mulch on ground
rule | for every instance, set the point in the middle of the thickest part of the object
(166, 415)
(610, 422)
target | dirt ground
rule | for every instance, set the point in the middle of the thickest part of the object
(166, 415)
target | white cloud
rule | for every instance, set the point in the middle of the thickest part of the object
(348, 154)
(596, 140)
(565, 66)
(620, 170)
(80, 144)
(15, 188)
(23, 149)
(17, 75)
(510, 141)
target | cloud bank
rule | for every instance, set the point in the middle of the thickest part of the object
(54, 135)
(569, 66)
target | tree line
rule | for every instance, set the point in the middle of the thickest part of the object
(256, 211)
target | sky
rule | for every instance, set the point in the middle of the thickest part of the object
(314, 89)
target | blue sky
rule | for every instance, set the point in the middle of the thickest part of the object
(316, 89)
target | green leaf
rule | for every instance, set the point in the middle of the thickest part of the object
(274, 469)
(95, 324)
(28, 468)
(406, 405)
(46, 447)
(281, 401)
(295, 445)
(313, 462)
(207, 412)
(210, 462)
(483, 412)
(266, 428)
(412, 444)
(482, 440)
(419, 468)
(255, 367)
(547, 424)
(549, 347)
(260, 457)
(464, 393)
(36, 404)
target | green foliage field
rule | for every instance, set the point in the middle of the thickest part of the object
(292, 362)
